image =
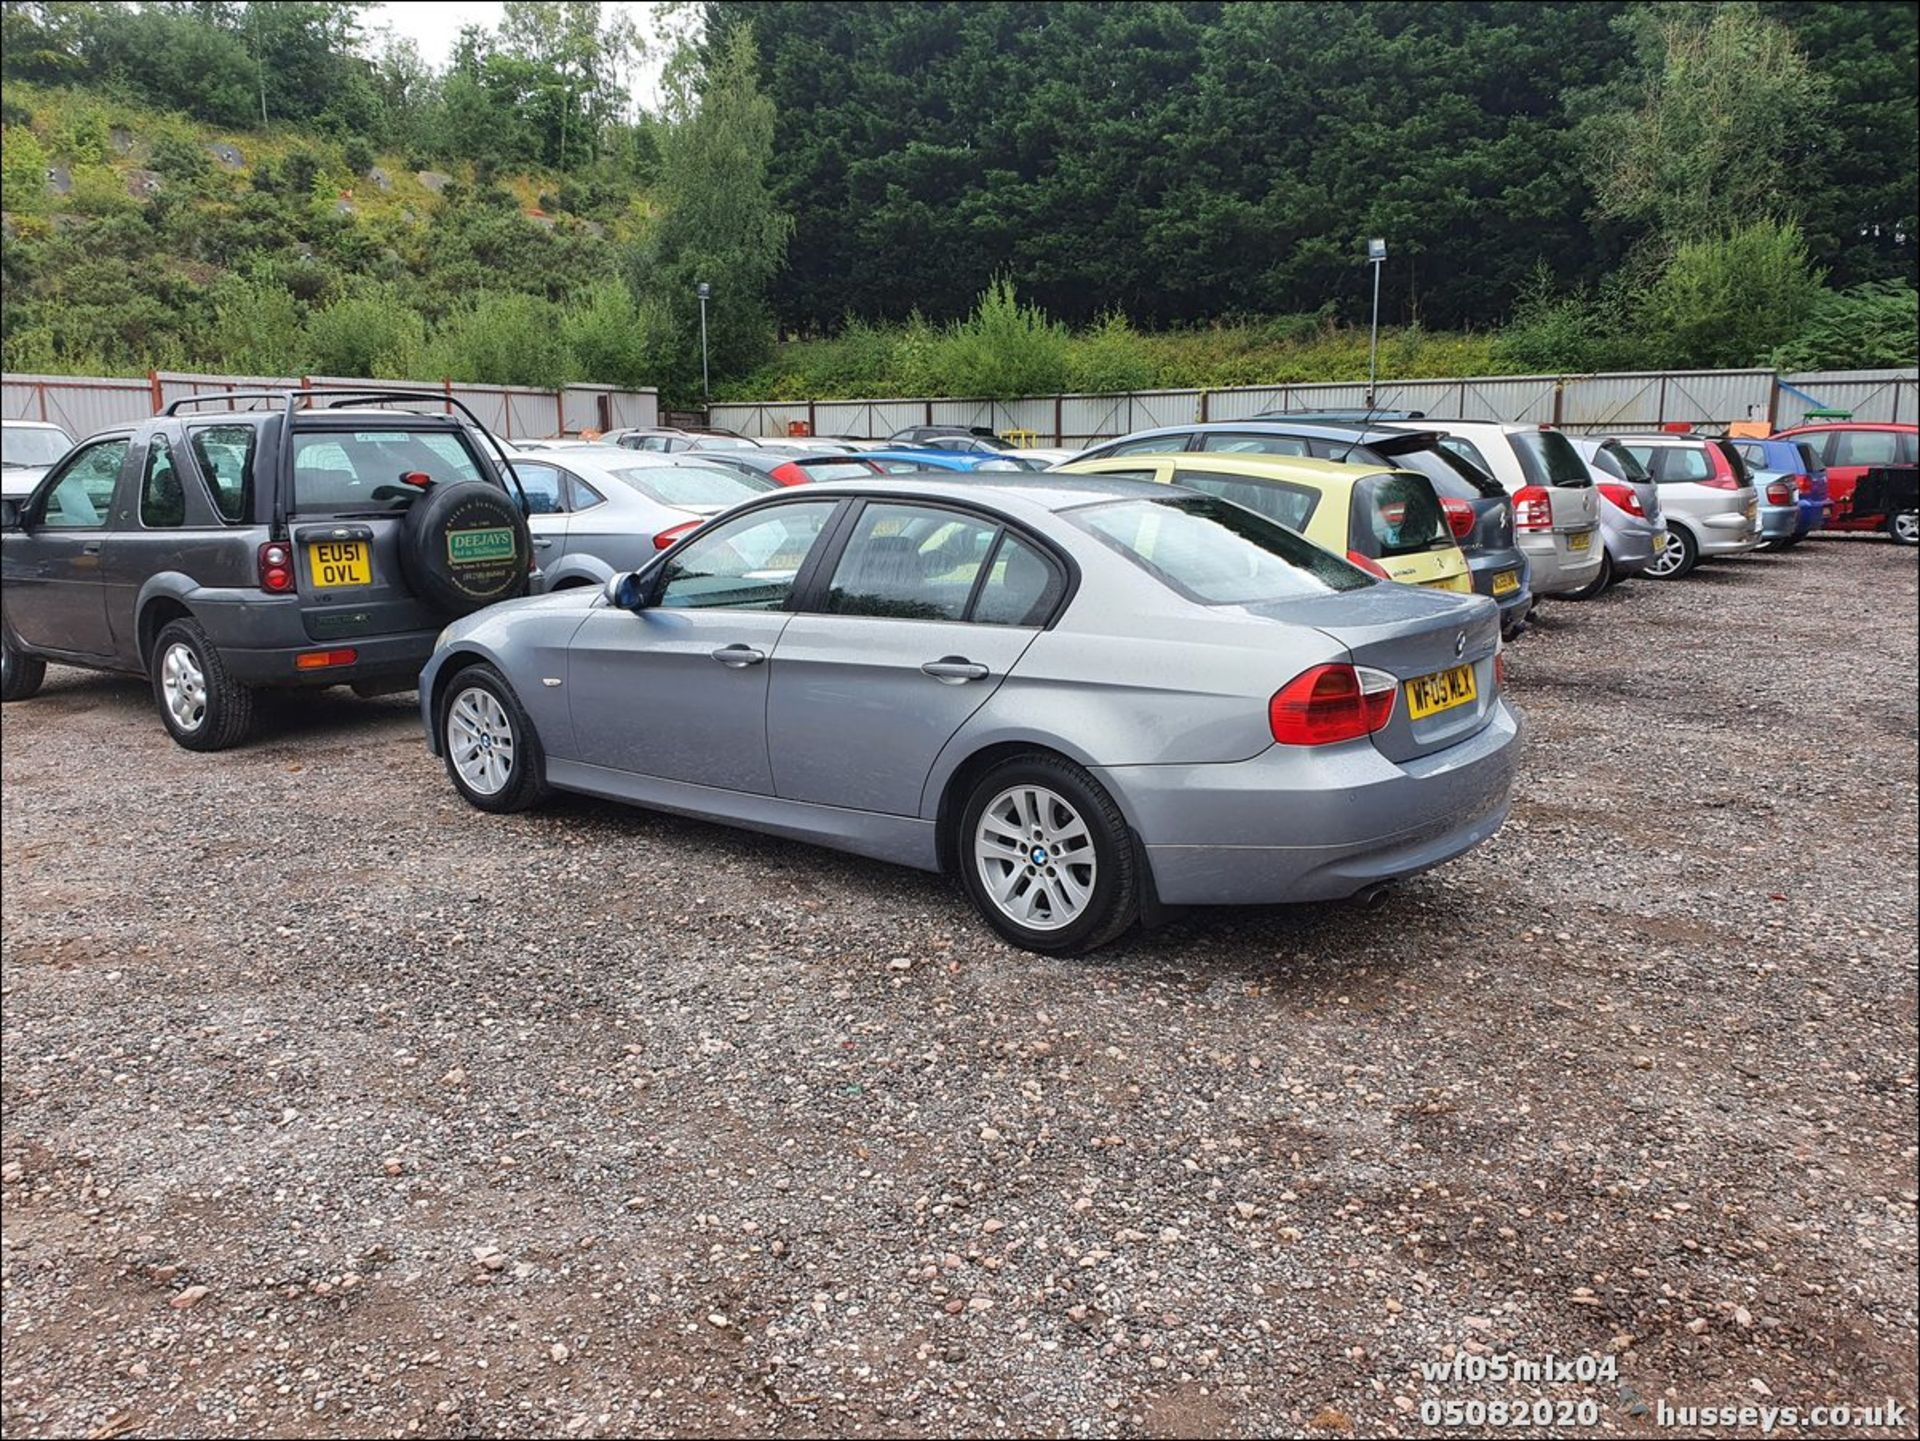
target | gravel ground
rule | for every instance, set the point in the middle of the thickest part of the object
(334, 1107)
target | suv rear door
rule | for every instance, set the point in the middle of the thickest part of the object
(346, 508)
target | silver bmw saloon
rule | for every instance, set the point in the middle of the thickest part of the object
(1090, 699)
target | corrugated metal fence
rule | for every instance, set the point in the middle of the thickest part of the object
(1627, 401)
(82, 404)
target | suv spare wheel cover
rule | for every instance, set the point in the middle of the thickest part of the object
(465, 546)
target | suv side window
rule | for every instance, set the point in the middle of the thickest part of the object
(83, 496)
(225, 457)
(746, 564)
(163, 501)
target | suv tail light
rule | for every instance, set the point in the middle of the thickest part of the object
(787, 472)
(1625, 497)
(665, 539)
(1331, 703)
(276, 568)
(1459, 516)
(1532, 508)
(1370, 566)
(1779, 492)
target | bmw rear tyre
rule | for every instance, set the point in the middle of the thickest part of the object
(20, 673)
(1046, 857)
(203, 707)
(493, 756)
(1680, 555)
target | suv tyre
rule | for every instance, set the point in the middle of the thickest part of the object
(203, 707)
(20, 673)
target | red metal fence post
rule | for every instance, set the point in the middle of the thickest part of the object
(446, 383)
(153, 389)
(1059, 435)
(560, 413)
(41, 386)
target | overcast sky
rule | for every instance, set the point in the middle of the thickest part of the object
(434, 25)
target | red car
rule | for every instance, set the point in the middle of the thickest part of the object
(1849, 449)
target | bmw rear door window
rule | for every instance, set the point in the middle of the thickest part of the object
(369, 472)
(1215, 552)
(910, 562)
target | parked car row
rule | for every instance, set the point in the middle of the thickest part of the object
(1245, 661)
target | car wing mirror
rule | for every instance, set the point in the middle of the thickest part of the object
(627, 590)
(13, 514)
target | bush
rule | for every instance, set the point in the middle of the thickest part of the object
(180, 157)
(502, 339)
(1110, 357)
(1868, 326)
(23, 170)
(358, 155)
(613, 339)
(1730, 301)
(256, 328)
(80, 133)
(369, 333)
(1004, 349)
(98, 190)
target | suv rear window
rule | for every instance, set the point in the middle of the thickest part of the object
(1214, 552)
(225, 456)
(351, 471)
(1548, 458)
(1396, 515)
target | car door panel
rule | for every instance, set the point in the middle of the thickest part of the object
(54, 579)
(854, 720)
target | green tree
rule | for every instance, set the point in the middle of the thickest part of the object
(1726, 97)
(1731, 300)
(23, 170)
(718, 221)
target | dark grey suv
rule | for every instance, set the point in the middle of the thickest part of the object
(322, 540)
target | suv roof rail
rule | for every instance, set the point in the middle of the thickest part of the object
(223, 397)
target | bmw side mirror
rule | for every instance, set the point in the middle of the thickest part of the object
(626, 591)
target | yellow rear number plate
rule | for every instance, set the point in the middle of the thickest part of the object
(1443, 690)
(335, 563)
(1506, 582)
(1580, 541)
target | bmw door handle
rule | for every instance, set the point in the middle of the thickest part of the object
(737, 656)
(954, 670)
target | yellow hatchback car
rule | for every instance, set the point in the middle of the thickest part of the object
(1385, 521)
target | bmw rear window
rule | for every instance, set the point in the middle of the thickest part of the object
(342, 472)
(1215, 552)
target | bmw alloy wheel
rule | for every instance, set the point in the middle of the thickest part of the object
(480, 740)
(185, 686)
(1035, 857)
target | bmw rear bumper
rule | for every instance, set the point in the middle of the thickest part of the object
(1314, 825)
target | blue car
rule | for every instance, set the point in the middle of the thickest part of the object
(909, 458)
(1792, 484)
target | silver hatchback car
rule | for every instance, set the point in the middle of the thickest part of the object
(1632, 527)
(1707, 495)
(1088, 698)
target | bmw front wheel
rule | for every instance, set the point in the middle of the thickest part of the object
(493, 756)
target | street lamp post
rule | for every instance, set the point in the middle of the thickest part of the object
(1376, 257)
(703, 290)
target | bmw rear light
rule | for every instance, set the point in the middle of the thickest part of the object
(1532, 508)
(1779, 492)
(788, 473)
(1331, 703)
(276, 568)
(1459, 516)
(1624, 497)
(665, 539)
(1370, 566)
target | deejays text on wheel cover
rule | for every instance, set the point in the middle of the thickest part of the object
(465, 546)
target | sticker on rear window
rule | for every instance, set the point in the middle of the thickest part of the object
(480, 546)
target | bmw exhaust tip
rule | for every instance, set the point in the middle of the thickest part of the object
(1373, 897)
